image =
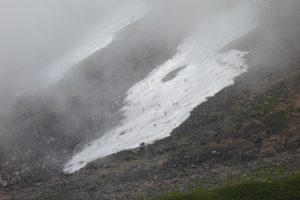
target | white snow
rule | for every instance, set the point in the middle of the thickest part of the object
(153, 107)
(99, 37)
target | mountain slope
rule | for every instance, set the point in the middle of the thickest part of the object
(153, 107)
(251, 125)
(246, 129)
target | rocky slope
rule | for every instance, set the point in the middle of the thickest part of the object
(250, 126)
(46, 126)
(246, 128)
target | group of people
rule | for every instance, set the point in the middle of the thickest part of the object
(232, 65)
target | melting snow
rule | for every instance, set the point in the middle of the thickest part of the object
(154, 107)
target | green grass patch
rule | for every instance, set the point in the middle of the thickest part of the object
(287, 189)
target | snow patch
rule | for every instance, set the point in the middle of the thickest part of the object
(154, 107)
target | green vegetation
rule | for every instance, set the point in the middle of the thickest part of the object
(287, 189)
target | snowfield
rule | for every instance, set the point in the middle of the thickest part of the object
(164, 99)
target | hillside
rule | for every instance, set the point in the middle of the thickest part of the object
(246, 129)
(214, 105)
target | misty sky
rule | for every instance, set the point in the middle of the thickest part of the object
(34, 33)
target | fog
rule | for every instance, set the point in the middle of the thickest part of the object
(44, 118)
(35, 34)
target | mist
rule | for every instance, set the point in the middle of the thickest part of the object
(58, 93)
(35, 34)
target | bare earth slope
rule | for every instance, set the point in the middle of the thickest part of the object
(250, 126)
